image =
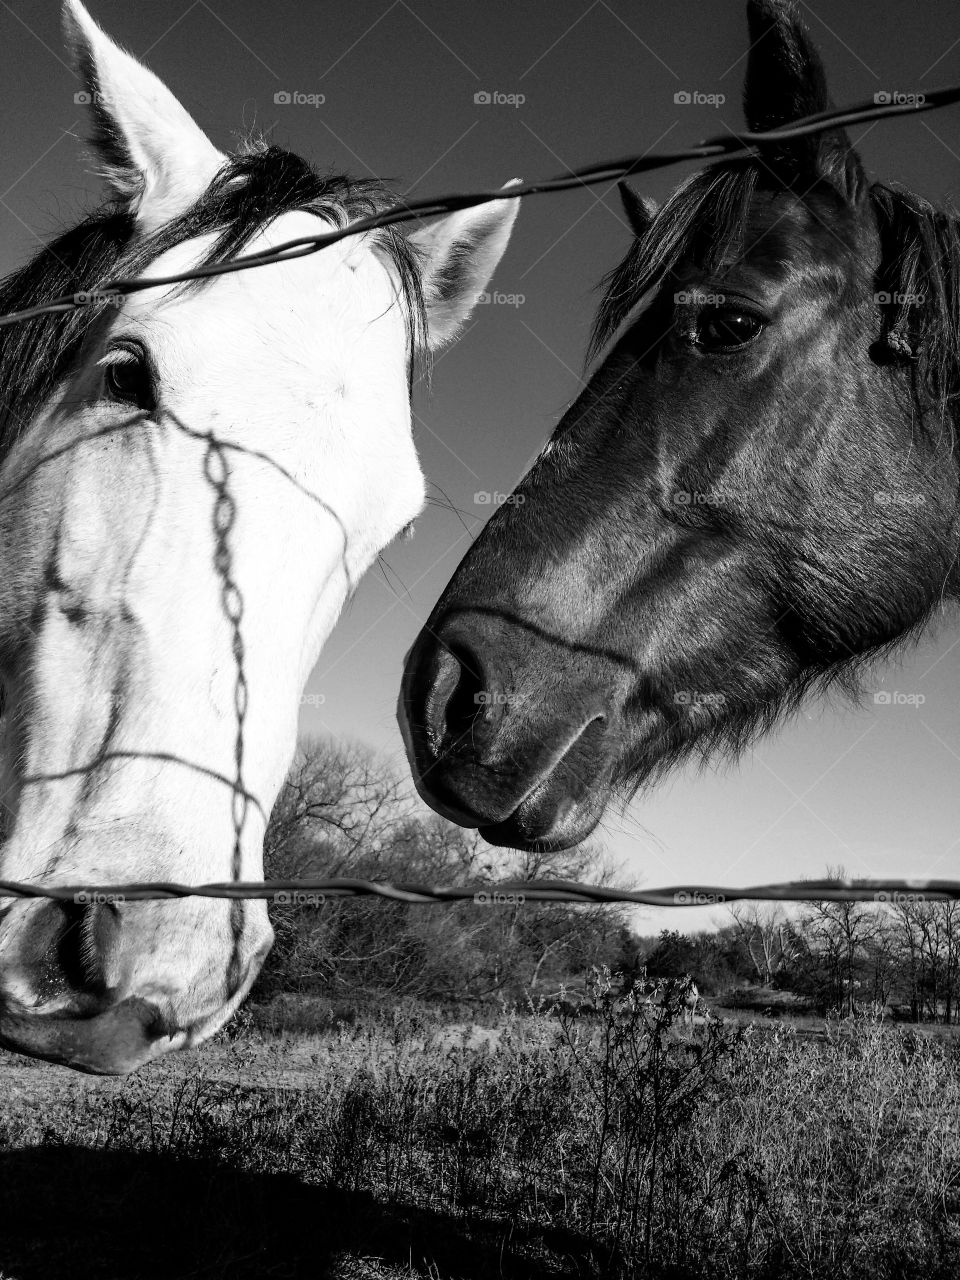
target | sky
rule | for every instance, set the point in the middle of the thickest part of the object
(390, 88)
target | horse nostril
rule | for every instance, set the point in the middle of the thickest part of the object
(442, 677)
(457, 696)
(469, 697)
(73, 944)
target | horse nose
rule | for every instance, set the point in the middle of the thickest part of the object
(63, 991)
(497, 738)
(106, 987)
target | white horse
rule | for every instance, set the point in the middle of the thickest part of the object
(191, 483)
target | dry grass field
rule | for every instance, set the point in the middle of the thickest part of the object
(403, 1145)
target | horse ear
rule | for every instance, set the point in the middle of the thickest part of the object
(786, 80)
(460, 252)
(640, 210)
(155, 157)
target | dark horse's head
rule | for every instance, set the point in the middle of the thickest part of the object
(756, 490)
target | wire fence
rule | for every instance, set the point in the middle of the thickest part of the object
(729, 146)
(315, 893)
(306, 892)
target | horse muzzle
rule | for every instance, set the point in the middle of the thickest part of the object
(105, 989)
(506, 734)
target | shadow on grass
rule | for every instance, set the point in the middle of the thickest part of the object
(111, 1215)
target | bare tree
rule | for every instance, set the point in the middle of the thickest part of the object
(832, 941)
(928, 934)
(763, 931)
(343, 811)
(338, 800)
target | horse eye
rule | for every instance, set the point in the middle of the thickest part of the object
(726, 329)
(127, 380)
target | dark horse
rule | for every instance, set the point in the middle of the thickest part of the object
(755, 492)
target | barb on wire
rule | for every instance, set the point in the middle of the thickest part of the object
(729, 146)
(507, 892)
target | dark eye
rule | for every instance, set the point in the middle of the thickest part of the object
(128, 380)
(727, 328)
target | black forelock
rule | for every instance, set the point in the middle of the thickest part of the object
(704, 219)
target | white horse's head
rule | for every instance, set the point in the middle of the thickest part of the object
(191, 483)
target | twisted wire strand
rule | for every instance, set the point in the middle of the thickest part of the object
(729, 146)
(302, 893)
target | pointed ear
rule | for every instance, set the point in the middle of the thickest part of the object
(640, 210)
(155, 157)
(460, 252)
(786, 80)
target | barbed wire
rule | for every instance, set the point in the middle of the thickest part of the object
(729, 146)
(316, 892)
(306, 892)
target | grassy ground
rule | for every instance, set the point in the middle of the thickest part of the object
(409, 1147)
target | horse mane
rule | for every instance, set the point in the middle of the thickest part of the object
(920, 270)
(705, 221)
(253, 187)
